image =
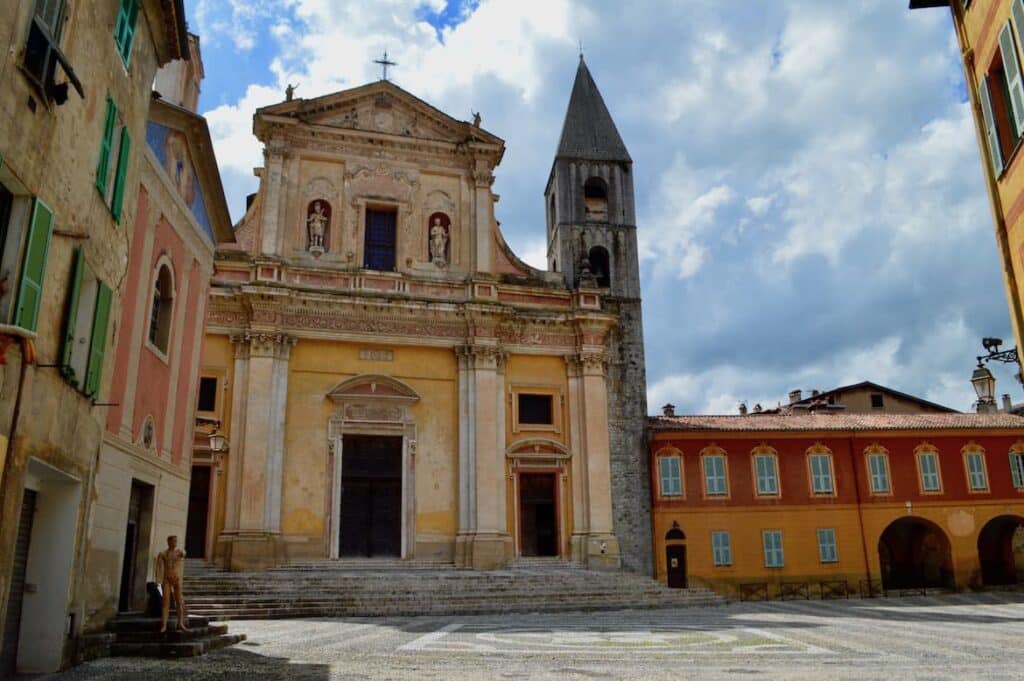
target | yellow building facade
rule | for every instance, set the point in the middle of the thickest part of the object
(990, 34)
(391, 379)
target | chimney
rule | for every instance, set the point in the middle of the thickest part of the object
(794, 396)
(1007, 403)
(815, 392)
(757, 408)
(743, 408)
(668, 410)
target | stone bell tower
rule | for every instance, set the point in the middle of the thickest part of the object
(591, 219)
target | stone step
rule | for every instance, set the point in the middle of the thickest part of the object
(141, 623)
(172, 635)
(180, 649)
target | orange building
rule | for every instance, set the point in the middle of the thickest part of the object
(991, 38)
(836, 503)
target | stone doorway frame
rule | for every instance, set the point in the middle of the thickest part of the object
(372, 404)
(541, 455)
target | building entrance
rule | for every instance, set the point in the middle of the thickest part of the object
(914, 553)
(1001, 551)
(12, 626)
(198, 511)
(136, 547)
(371, 496)
(538, 514)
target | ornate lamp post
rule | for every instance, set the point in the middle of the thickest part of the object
(982, 379)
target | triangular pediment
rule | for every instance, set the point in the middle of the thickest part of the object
(381, 107)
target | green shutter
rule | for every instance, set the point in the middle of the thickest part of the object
(1011, 67)
(105, 144)
(98, 342)
(77, 271)
(33, 269)
(122, 172)
(124, 33)
(991, 134)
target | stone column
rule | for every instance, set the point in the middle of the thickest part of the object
(274, 179)
(577, 427)
(257, 458)
(484, 541)
(602, 547)
(483, 209)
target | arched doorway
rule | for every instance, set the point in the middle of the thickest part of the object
(914, 554)
(1001, 551)
(675, 557)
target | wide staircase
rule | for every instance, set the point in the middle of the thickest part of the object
(373, 587)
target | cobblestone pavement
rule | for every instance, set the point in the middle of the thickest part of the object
(962, 637)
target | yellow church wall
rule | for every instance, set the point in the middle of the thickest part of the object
(431, 372)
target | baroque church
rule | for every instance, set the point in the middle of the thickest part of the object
(392, 380)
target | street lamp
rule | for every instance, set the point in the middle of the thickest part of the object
(985, 386)
(218, 443)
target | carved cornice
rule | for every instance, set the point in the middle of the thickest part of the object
(474, 356)
(276, 345)
(587, 363)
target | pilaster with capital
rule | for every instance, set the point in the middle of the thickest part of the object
(274, 175)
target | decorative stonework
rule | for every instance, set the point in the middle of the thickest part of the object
(483, 356)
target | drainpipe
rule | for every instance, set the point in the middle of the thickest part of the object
(860, 512)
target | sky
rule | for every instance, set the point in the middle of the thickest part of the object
(810, 200)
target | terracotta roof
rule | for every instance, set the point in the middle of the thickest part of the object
(841, 421)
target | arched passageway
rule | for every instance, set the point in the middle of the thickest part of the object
(1001, 551)
(914, 553)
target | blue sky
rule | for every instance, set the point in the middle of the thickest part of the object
(810, 200)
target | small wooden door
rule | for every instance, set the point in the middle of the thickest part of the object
(675, 566)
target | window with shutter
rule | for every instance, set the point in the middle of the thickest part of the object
(37, 247)
(671, 476)
(102, 168)
(827, 552)
(124, 31)
(714, 475)
(1014, 86)
(991, 134)
(878, 467)
(124, 154)
(928, 464)
(767, 474)
(1017, 469)
(721, 549)
(976, 477)
(821, 474)
(98, 341)
(773, 557)
(77, 270)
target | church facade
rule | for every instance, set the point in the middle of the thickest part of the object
(391, 379)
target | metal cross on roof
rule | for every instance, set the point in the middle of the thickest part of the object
(385, 63)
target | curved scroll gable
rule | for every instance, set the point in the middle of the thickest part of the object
(538, 447)
(508, 263)
(373, 386)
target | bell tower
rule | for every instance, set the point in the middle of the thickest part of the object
(591, 218)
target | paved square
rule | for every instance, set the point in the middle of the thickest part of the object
(950, 637)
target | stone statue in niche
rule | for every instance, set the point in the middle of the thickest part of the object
(318, 218)
(439, 224)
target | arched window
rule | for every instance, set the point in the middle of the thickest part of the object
(160, 313)
(600, 266)
(595, 197)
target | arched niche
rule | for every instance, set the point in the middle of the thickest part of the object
(318, 226)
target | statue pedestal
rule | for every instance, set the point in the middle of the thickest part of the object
(317, 251)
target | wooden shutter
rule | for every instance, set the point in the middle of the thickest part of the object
(33, 269)
(77, 270)
(994, 152)
(1011, 67)
(105, 144)
(98, 343)
(124, 33)
(122, 172)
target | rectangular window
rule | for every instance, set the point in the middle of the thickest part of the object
(1017, 469)
(929, 465)
(714, 475)
(33, 270)
(380, 240)
(1002, 100)
(124, 31)
(536, 409)
(976, 471)
(821, 474)
(207, 394)
(721, 549)
(112, 168)
(85, 328)
(767, 474)
(773, 557)
(41, 49)
(671, 472)
(878, 465)
(877, 401)
(827, 552)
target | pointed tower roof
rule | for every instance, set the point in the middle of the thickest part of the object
(589, 132)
